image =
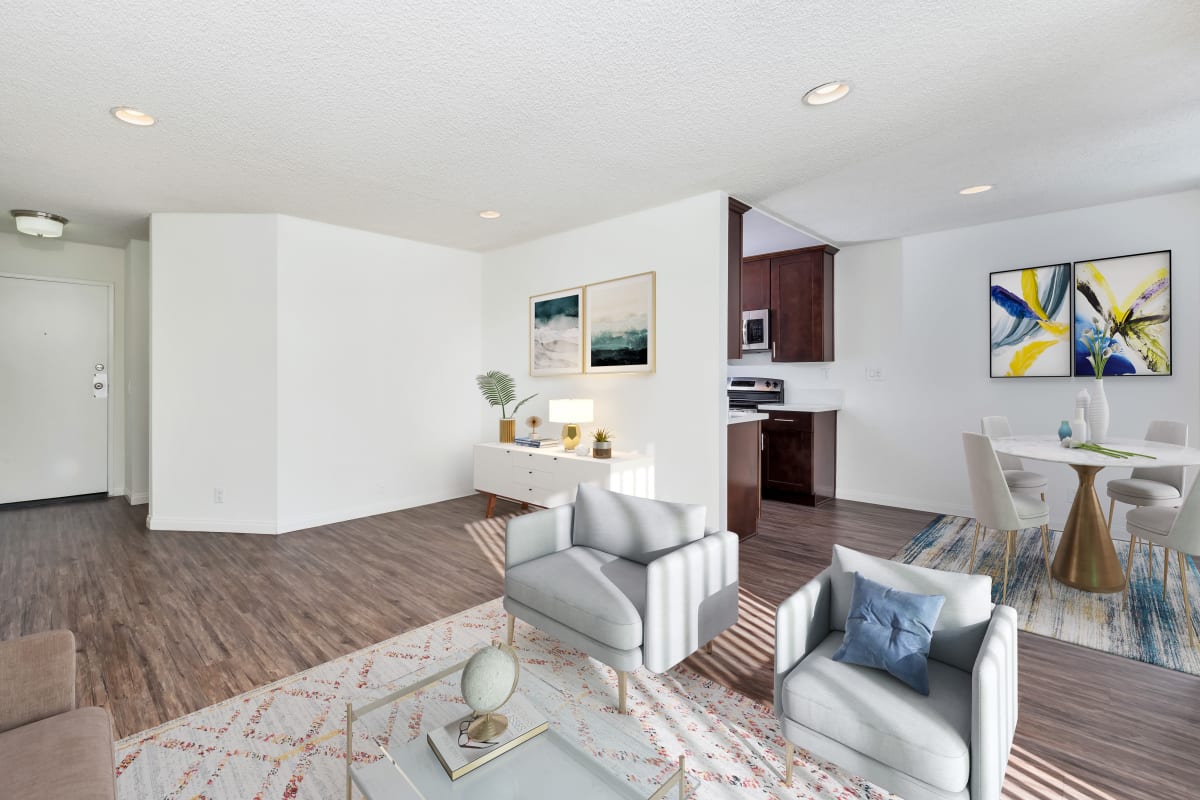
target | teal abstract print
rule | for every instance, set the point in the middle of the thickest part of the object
(620, 325)
(1031, 322)
(1123, 307)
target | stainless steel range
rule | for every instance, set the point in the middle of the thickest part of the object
(748, 394)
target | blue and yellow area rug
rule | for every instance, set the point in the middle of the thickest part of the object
(1150, 627)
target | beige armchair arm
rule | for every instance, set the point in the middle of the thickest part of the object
(37, 678)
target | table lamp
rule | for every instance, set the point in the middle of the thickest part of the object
(571, 412)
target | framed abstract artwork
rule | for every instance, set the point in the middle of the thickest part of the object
(556, 333)
(1126, 300)
(619, 325)
(1031, 322)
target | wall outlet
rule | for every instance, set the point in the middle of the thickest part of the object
(218, 496)
(874, 373)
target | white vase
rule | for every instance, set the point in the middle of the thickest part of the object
(1098, 414)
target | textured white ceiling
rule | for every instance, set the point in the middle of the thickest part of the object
(408, 118)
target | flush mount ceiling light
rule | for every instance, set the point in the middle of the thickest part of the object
(132, 116)
(827, 93)
(983, 187)
(490, 214)
(42, 224)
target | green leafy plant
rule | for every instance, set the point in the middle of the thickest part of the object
(499, 389)
(602, 435)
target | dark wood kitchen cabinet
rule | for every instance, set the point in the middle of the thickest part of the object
(799, 456)
(734, 322)
(797, 287)
(744, 462)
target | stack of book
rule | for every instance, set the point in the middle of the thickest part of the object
(536, 441)
(460, 754)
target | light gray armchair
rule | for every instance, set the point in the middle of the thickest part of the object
(629, 581)
(953, 744)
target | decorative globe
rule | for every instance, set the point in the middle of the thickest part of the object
(489, 678)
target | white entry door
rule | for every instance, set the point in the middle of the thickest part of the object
(54, 346)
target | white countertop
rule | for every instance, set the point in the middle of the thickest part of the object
(745, 416)
(812, 406)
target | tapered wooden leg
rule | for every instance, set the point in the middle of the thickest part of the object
(1128, 568)
(1166, 569)
(512, 621)
(1008, 543)
(622, 679)
(1187, 605)
(1043, 497)
(1046, 555)
(491, 509)
(708, 647)
(791, 758)
(1150, 555)
(1112, 505)
(974, 542)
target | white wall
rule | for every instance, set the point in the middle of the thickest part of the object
(137, 371)
(55, 258)
(311, 373)
(213, 372)
(918, 307)
(676, 414)
(379, 342)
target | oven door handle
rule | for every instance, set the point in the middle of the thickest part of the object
(745, 333)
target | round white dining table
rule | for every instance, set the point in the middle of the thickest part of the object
(1085, 558)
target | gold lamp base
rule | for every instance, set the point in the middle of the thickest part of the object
(571, 436)
(487, 727)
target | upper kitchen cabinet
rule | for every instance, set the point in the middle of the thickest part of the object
(734, 333)
(796, 287)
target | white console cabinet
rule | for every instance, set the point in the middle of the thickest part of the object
(536, 477)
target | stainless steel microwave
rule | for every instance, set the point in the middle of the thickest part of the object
(756, 330)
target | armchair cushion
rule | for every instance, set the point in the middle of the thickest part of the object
(635, 528)
(926, 737)
(69, 755)
(595, 593)
(37, 677)
(890, 630)
(964, 617)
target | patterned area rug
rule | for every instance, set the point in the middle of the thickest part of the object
(286, 740)
(1149, 627)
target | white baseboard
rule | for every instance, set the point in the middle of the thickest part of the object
(138, 498)
(898, 501)
(160, 523)
(299, 523)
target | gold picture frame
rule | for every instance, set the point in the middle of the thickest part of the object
(619, 324)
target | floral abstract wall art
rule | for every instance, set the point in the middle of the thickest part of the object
(1127, 301)
(1031, 322)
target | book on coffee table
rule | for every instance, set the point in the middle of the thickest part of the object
(524, 723)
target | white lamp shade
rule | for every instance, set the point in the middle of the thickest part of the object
(571, 410)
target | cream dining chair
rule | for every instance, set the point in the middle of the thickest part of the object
(1152, 486)
(1175, 529)
(997, 508)
(1015, 474)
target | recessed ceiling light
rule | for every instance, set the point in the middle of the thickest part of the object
(132, 116)
(983, 187)
(42, 224)
(827, 93)
(490, 214)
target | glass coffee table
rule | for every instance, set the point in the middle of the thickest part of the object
(549, 765)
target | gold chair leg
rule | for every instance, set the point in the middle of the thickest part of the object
(1150, 555)
(1008, 543)
(1043, 497)
(1128, 568)
(1187, 606)
(1166, 568)
(1112, 506)
(1046, 556)
(974, 542)
(512, 621)
(622, 680)
(791, 758)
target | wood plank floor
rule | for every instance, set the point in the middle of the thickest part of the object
(167, 623)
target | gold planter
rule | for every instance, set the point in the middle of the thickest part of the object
(508, 431)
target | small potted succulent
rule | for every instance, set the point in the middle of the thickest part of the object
(601, 443)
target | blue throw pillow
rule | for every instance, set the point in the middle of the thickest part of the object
(890, 630)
